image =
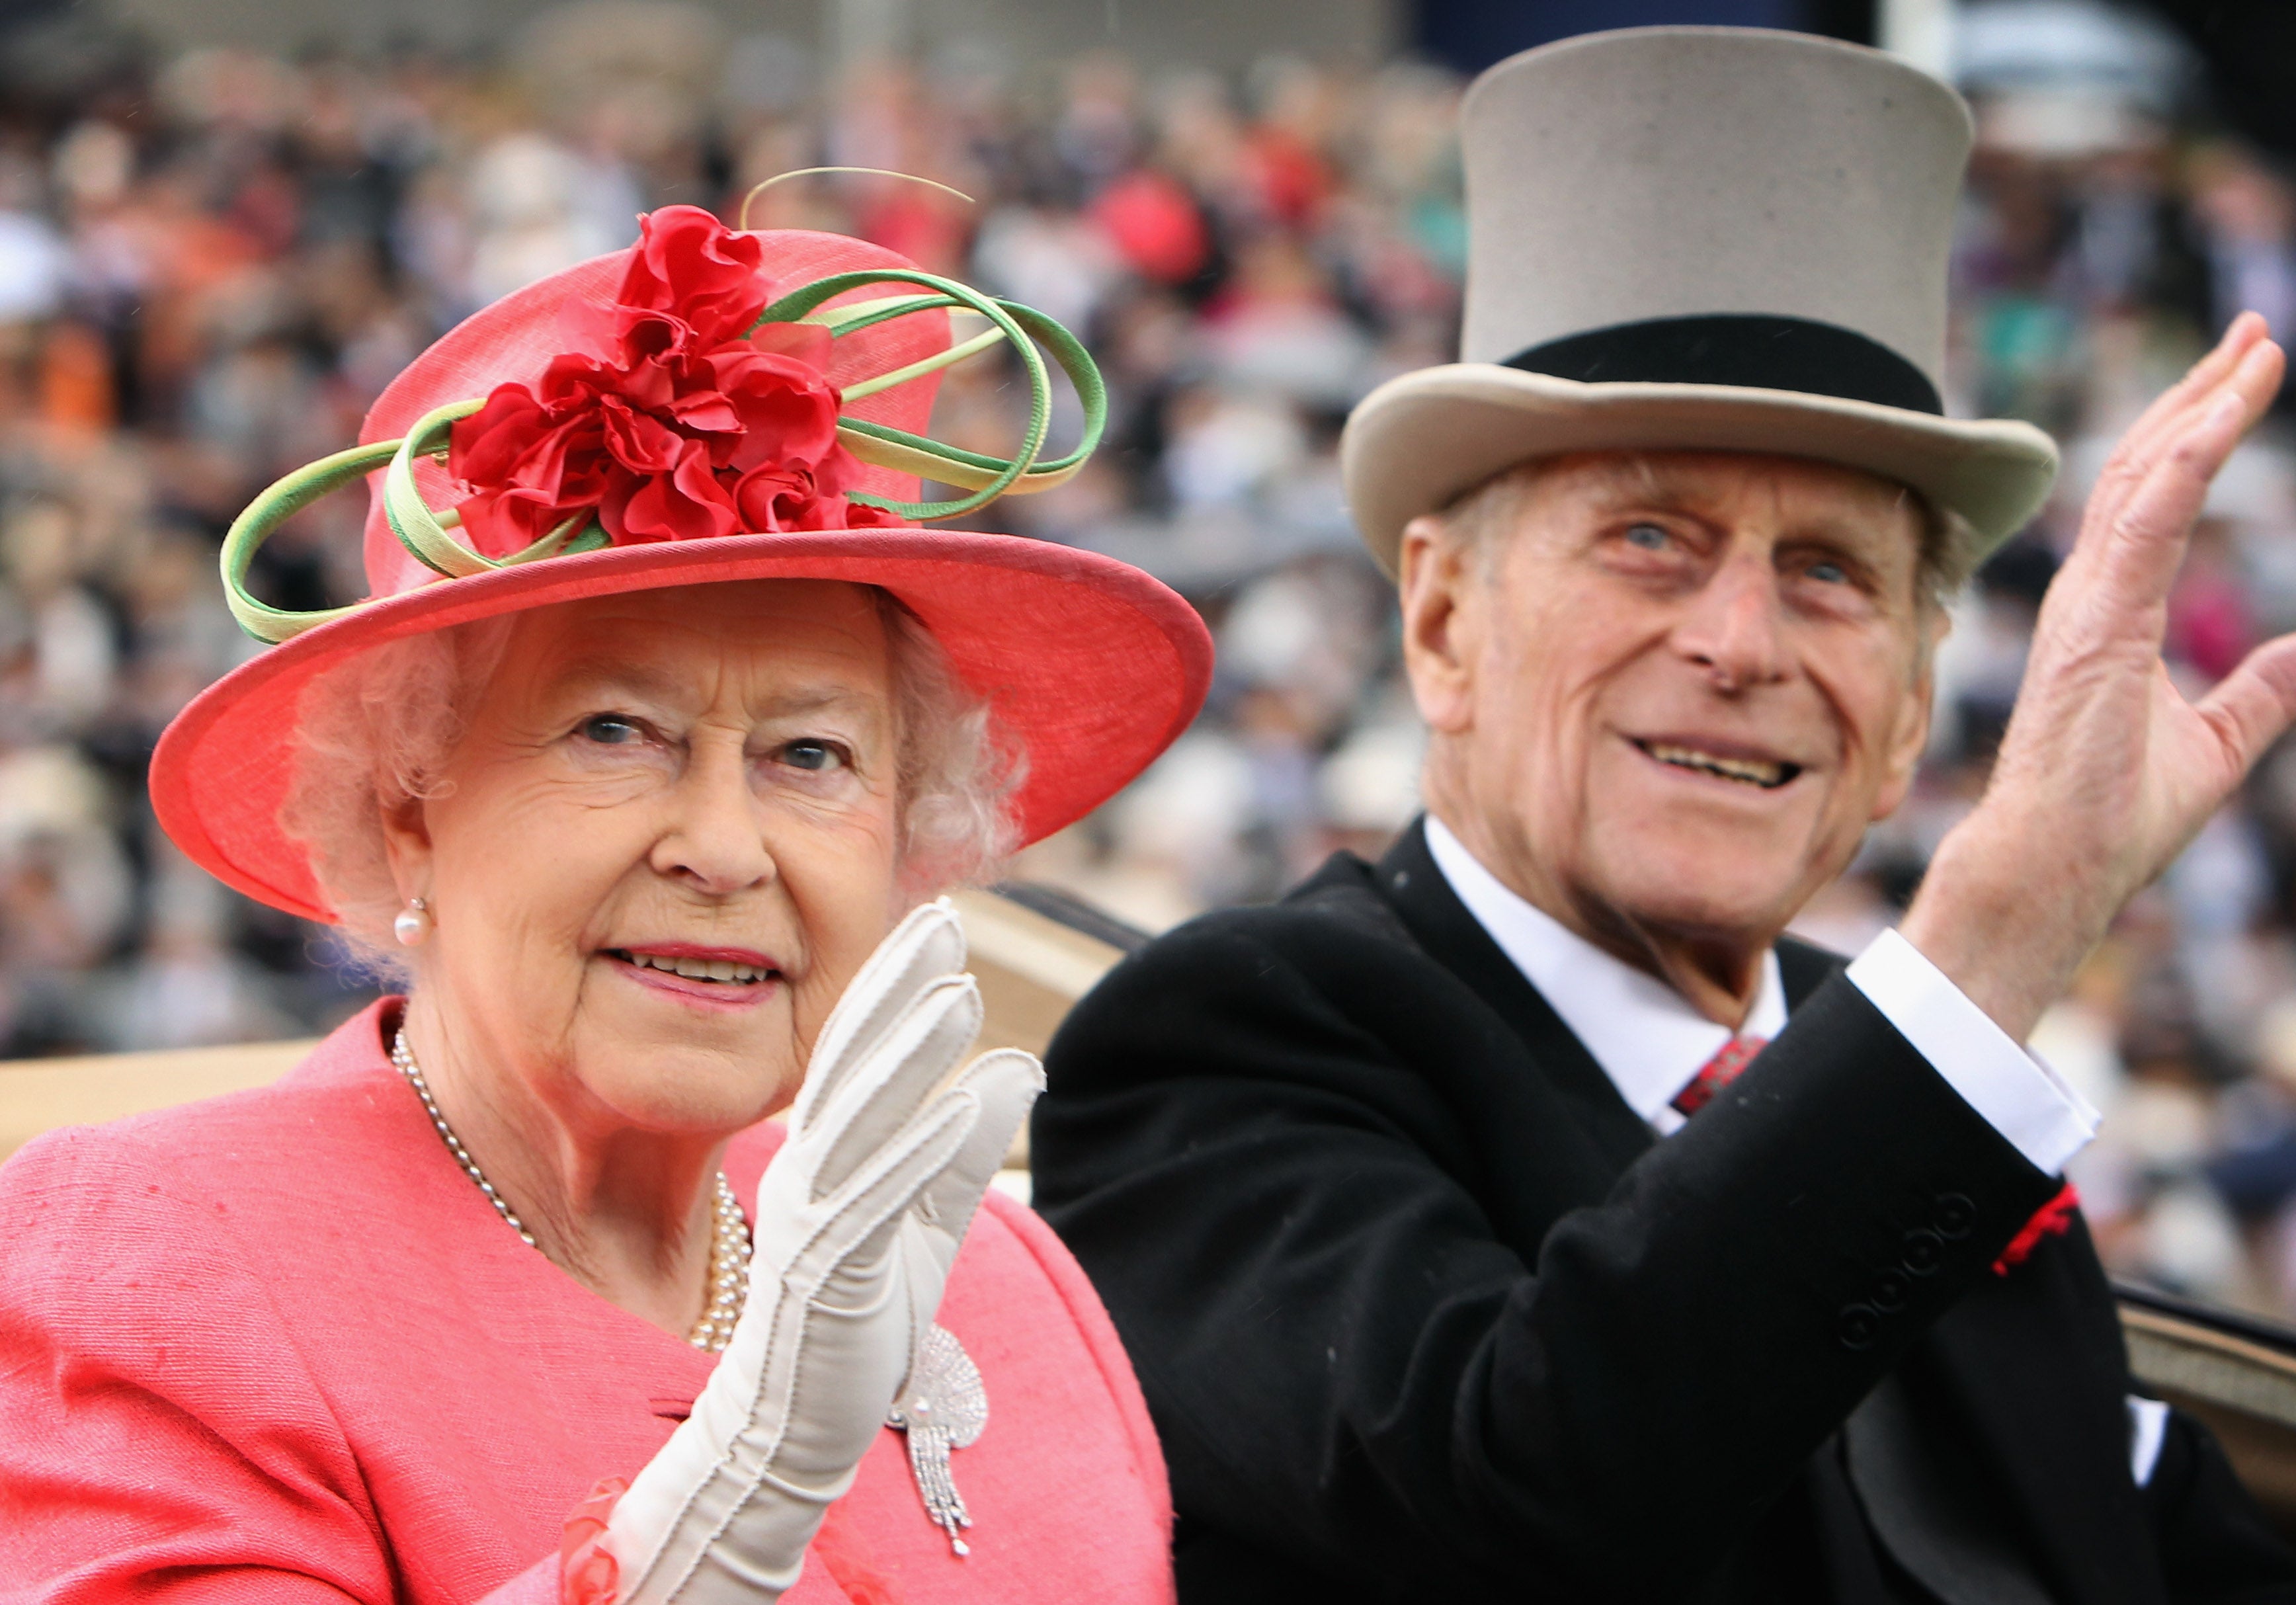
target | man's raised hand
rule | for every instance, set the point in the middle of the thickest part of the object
(2106, 770)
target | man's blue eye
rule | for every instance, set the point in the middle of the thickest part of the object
(611, 730)
(1833, 574)
(810, 755)
(1650, 537)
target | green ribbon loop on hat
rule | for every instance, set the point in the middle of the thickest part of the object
(429, 533)
(419, 529)
(883, 446)
(278, 504)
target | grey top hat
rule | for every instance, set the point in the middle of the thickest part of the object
(1701, 239)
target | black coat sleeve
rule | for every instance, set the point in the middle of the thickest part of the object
(1373, 1344)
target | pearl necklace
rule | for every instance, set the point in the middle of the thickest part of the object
(729, 1234)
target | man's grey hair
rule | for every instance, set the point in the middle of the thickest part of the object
(1951, 549)
(377, 732)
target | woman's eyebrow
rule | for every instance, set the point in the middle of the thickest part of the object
(799, 700)
(593, 678)
(611, 677)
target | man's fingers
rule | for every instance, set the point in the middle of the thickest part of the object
(2171, 412)
(2160, 419)
(2142, 542)
(2254, 705)
(2239, 336)
(2261, 373)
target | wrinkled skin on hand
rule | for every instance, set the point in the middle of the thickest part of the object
(2107, 769)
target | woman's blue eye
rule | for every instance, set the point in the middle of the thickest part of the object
(611, 730)
(1650, 537)
(811, 755)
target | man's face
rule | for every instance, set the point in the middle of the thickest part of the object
(1670, 691)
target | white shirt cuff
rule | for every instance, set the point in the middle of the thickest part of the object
(2017, 1095)
(2148, 1430)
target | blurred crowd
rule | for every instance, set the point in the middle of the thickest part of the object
(211, 263)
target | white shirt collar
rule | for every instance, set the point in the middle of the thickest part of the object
(1647, 1035)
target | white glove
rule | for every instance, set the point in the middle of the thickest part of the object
(857, 1218)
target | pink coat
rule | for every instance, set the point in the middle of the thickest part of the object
(276, 1346)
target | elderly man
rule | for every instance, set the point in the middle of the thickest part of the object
(1469, 1241)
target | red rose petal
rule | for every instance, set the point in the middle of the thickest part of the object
(689, 262)
(639, 440)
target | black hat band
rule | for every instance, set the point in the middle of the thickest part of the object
(1750, 350)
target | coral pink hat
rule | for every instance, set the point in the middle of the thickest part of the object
(708, 406)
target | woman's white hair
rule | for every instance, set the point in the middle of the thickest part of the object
(375, 734)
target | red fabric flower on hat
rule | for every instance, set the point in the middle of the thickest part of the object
(668, 417)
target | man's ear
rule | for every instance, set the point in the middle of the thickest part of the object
(1913, 736)
(406, 844)
(1436, 585)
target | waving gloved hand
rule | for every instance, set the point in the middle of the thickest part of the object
(858, 1219)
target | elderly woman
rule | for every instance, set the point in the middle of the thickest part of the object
(629, 765)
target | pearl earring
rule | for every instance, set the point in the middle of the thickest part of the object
(413, 926)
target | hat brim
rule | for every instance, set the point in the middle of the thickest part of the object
(1090, 667)
(1422, 440)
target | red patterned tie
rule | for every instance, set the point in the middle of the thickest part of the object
(1718, 1073)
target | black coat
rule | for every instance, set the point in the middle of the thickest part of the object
(1423, 1312)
